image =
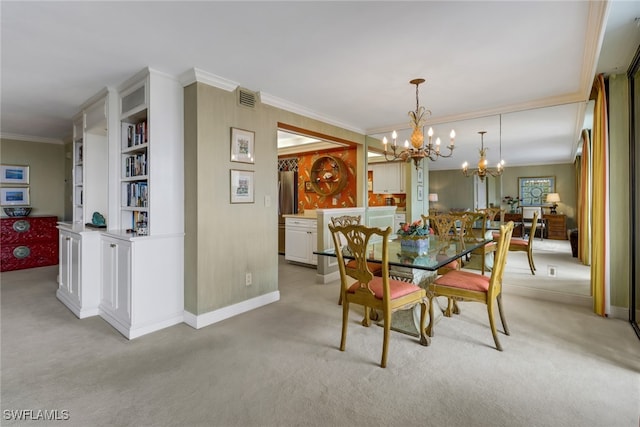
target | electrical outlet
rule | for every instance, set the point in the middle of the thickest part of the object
(552, 271)
(248, 280)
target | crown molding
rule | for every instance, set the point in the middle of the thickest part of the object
(283, 104)
(197, 75)
(30, 138)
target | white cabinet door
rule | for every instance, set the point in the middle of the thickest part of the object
(79, 271)
(301, 239)
(296, 245)
(388, 177)
(116, 280)
(69, 267)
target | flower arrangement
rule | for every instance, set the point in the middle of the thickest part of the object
(512, 202)
(413, 230)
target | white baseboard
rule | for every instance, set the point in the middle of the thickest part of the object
(327, 278)
(206, 319)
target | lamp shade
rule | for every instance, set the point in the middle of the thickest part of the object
(553, 198)
(433, 197)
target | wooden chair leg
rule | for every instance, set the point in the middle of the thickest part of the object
(424, 339)
(502, 318)
(492, 323)
(345, 323)
(456, 307)
(431, 317)
(531, 264)
(385, 338)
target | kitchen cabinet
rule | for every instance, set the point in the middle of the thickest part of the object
(301, 239)
(79, 270)
(388, 177)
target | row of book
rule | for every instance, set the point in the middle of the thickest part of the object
(140, 222)
(137, 194)
(135, 165)
(135, 134)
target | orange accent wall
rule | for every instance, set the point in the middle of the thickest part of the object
(311, 200)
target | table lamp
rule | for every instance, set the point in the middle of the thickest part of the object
(433, 197)
(553, 198)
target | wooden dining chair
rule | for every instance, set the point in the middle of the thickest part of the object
(476, 228)
(447, 227)
(467, 286)
(517, 244)
(373, 292)
(341, 221)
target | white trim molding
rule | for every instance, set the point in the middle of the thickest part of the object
(30, 138)
(206, 319)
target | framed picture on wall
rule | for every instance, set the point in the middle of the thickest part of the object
(532, 191)
(18, 196)
(308, 188)
(242, 145)
(420, 176)
(14, 174)
(241, 186)
(420, 193)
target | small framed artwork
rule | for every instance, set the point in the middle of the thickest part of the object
(241, 186)
(420, 176)
(18, 196)
(532, 191)
(14, 174)
(308, 188)
(420, 193)
(242, 143)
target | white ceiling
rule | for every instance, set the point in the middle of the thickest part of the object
(347, 63)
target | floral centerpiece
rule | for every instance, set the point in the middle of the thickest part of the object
(512, 202)
(414, 237)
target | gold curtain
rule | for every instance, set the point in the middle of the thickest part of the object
(584, 201)
(600, 223)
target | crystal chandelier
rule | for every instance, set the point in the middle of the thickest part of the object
(483, 170)
(418, 149)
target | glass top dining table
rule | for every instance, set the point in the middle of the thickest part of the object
(437, 253)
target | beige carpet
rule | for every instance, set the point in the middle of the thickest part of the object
(280, 366)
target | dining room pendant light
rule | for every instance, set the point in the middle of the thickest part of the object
(483, 170)
(417, 149)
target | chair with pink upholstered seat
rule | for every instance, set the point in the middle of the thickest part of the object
(343, 220)
(373, 292)
(526, 245)
(468, 286)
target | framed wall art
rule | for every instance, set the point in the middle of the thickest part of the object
(241, 186)
(420, 193)
(533, 190)
(18, 196)
(242, 144)
(420, 176)
(308, 188)
(14, 174)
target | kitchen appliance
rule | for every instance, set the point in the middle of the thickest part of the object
(287, 202)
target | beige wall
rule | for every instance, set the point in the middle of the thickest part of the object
(224, 241)
(46, 173)
(456, 191)
(619, 223)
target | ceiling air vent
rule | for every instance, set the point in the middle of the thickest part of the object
(247, 98)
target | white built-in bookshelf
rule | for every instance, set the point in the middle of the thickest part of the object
(78, 169)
